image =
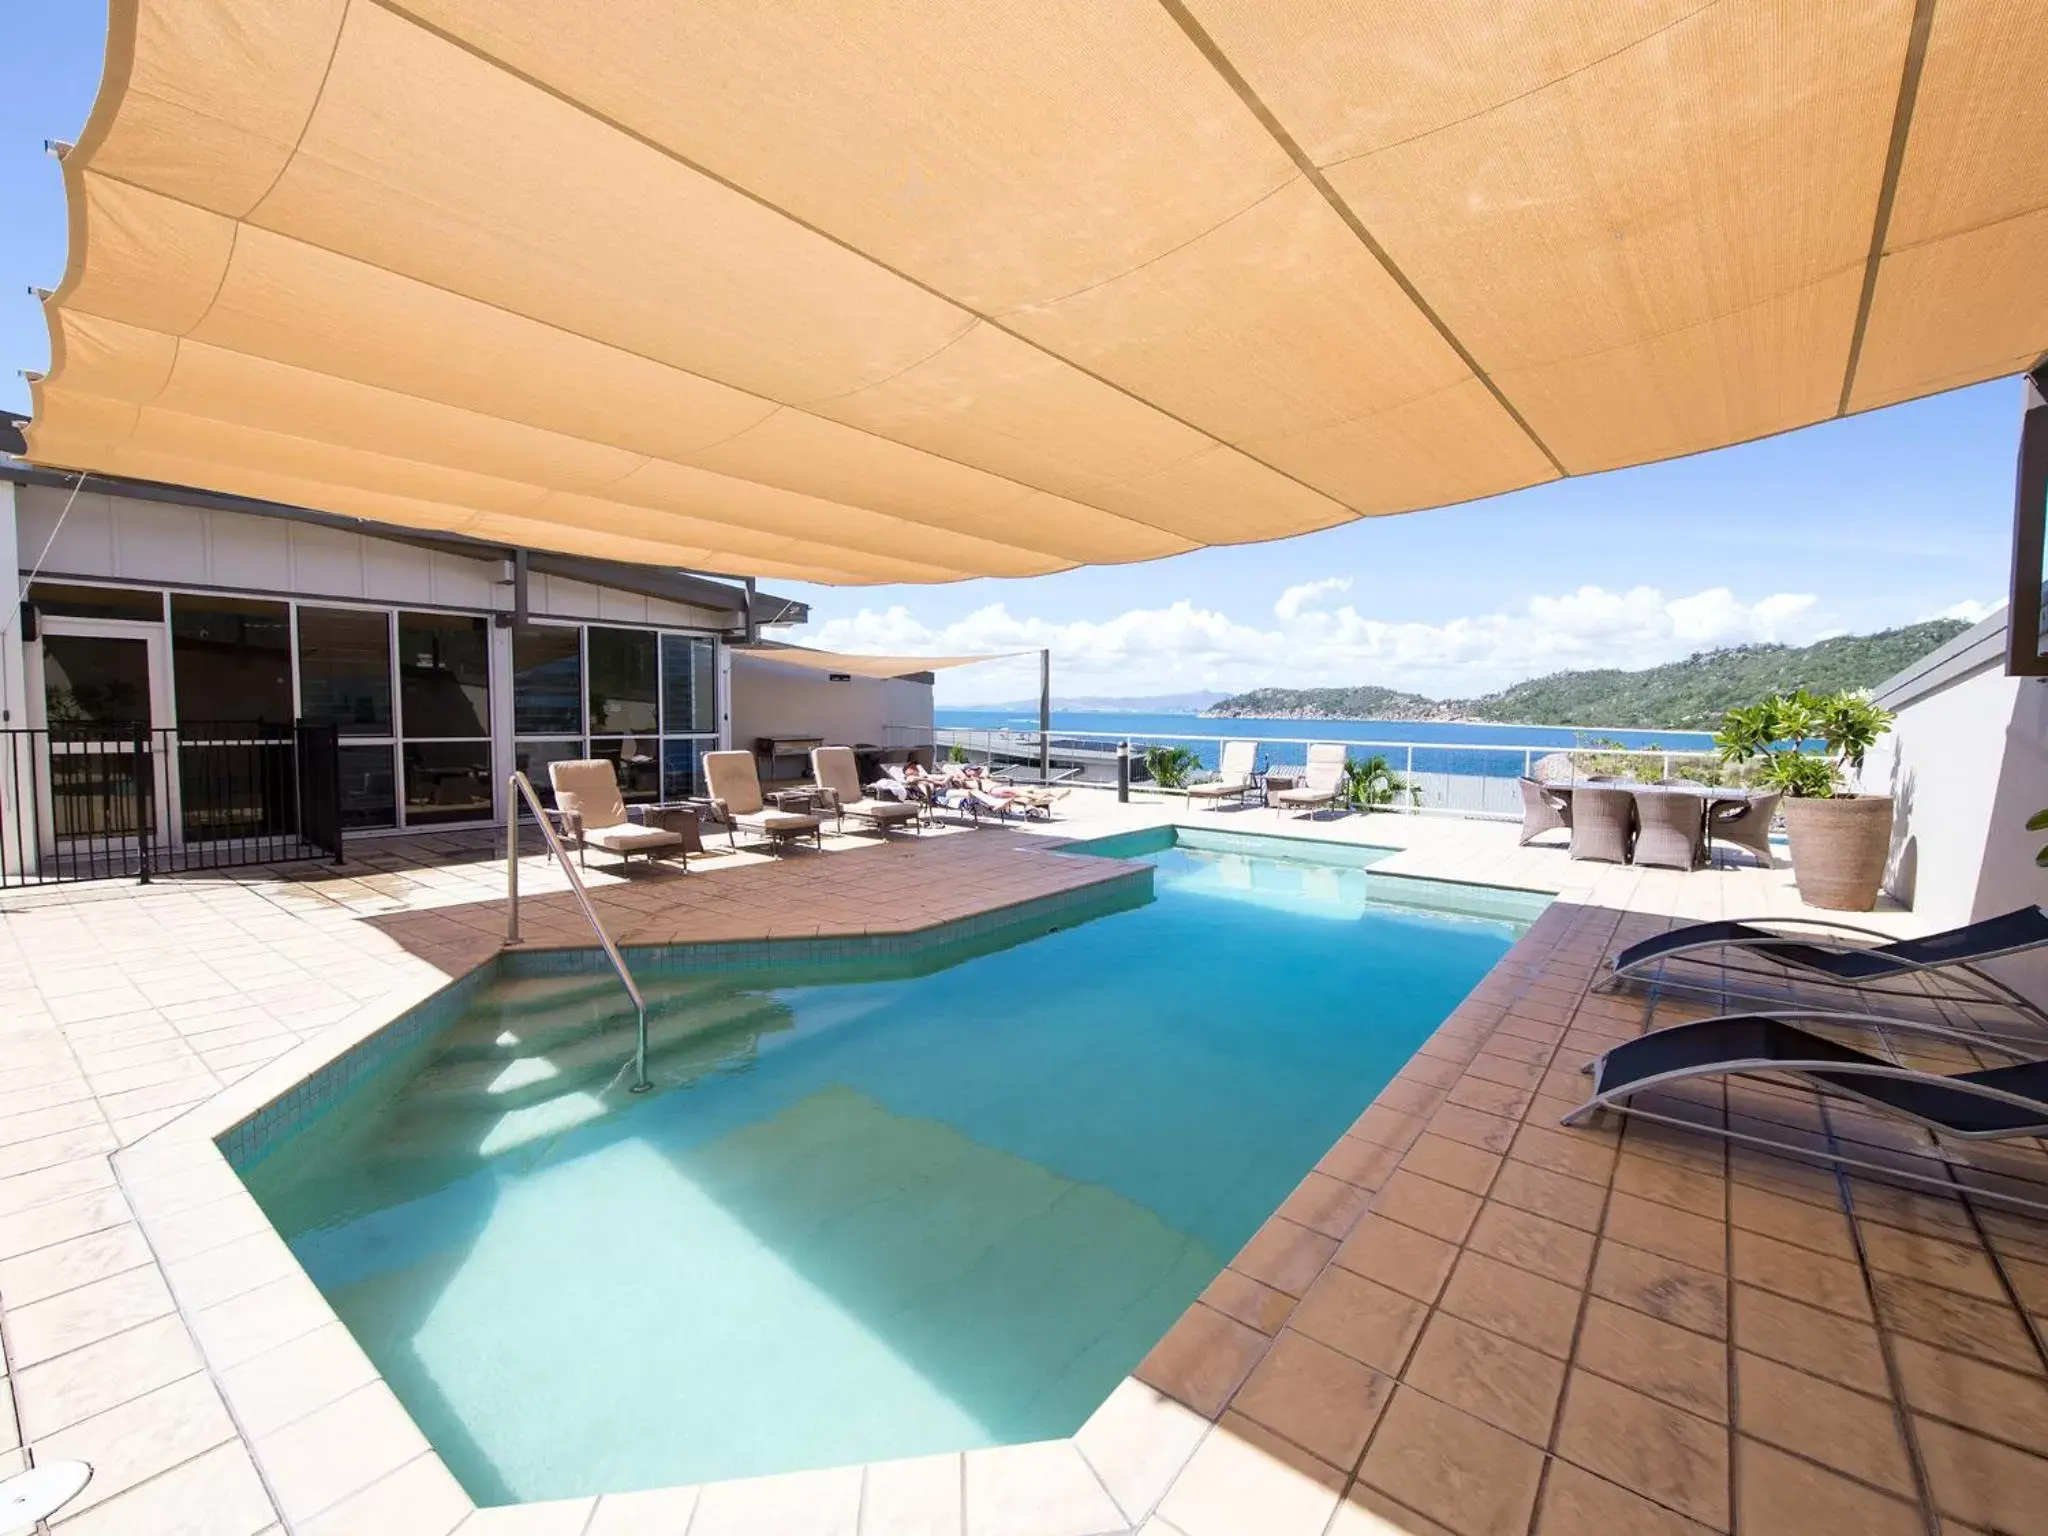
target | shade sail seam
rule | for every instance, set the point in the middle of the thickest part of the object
(1714, 317)
(765, 535)
(298, 139)
(1888, 187)
(1152, 261)
(1220, 62)
(585, 109)
(894, 374)
(773, 405)
(825, 505)
(781, 545)
(1964, 231)
(1522, 95)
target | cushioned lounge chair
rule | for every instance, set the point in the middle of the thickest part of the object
(1817, 952)
(735, 787)
(1236, 774)
(1038, 800)
(1603, 824)
(838, 778)
(1543, 810)
(593, 814)
(1987, 1104)
(1320, 780)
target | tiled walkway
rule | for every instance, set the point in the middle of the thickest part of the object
(1466, 1320)
(1470, 1320)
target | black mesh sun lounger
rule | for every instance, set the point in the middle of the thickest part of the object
(1959, 950)
(1987, 1104)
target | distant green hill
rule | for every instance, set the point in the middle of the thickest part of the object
(1689, 694)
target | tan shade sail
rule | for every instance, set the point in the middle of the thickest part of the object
(852, 293)
(863, 666)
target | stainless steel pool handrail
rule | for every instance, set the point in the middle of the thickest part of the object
(519, 786)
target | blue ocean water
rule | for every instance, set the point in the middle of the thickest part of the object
(1440, 746)
(861, 1218)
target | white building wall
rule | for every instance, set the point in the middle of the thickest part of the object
(1966, 762)
(120, 538)
(13, 673)
(773, 700)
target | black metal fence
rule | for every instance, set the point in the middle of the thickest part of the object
(100, 802)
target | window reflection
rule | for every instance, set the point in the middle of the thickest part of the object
(345, 670)
(622, 680)
(447, 781)
(689, 685)
(547, 680)
(230, 659)
(634, 759)
(444, 676)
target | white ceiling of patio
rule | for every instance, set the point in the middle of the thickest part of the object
(854, 293)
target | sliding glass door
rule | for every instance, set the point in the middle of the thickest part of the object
(643, 699)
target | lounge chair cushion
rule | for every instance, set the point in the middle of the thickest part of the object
(631, 837)
(733, 781)
(777, 821)
(881, 810)
(1304, 796)
(588, 789)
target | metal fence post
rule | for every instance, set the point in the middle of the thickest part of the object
(1414, 789)
(142, 803)
(512, 860)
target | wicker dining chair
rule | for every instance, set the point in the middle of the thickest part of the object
(1747, 825)
(1670, 831)
(1543, 810)
(1603, 824)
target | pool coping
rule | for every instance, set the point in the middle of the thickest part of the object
(361, 1459)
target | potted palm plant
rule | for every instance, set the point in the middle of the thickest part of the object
(1170, 767)
(1840, 839)
(1372, 784)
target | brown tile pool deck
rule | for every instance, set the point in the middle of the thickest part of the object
(1465, 1319)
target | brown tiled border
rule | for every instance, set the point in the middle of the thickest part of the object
(1470, 1319)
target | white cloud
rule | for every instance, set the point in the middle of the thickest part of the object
(1969, 610)
(1319, 636)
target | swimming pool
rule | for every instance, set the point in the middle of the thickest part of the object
(875, 1208)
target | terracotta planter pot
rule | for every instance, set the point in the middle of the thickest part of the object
(1839, 848)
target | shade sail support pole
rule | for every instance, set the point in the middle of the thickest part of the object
(1045, 717)
(2023, 654)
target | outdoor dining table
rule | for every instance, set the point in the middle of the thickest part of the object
(1708, 795)
(1711, 794)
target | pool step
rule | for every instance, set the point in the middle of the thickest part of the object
(427, 1126)
(509, 996)
(592, 1054)
(598, 1003)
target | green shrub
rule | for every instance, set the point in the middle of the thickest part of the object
(1772, 737)
(1372, 782)
(1170, 766)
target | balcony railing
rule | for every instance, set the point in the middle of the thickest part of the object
(1452, 778)
(97, 802)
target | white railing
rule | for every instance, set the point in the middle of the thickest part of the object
(521, 788)
(1457, 778)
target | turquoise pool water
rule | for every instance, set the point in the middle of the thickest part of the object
(869, 1213)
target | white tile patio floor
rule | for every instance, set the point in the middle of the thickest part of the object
(1465, 1320)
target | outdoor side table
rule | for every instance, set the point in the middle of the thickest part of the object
(1270, 782)
(676, 818)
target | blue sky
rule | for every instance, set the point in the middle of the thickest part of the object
(1858, 524)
